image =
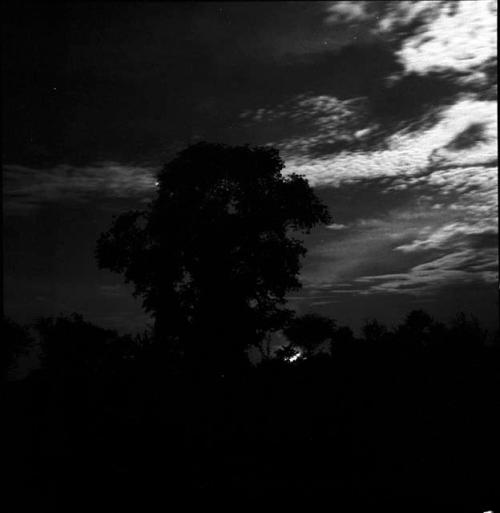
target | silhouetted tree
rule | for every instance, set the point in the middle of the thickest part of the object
(342, 338)
(417, 328)
(310, 331)
(374, 331)
(71, 346)
(418, 320)
(213, 256)
(466, 334)
(16, 341)
(87, 371)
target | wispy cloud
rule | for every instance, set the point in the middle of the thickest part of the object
(441, 237)
(394, 250)
(461, 267)
(26, 188)
(407, 153)
(426, 131)
(336, 226)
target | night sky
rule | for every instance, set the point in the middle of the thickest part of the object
(388, 108)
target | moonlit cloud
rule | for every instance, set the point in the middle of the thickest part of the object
(459, 267)
(341, 12)
(441, 236)
(452, 217)
(336, 226)
(450, 166)
(461, 36)
(403, 13)
(458, 36)
(407, 153)
(450, 38)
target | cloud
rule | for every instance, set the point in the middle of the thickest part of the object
(460, 267)
(441, 237)
(26, 188)
(342, 12)
(336, 226)
(423, 58)
(407, 153)
(461, 37)
(391, 21)
(431, 35)
(438, 212)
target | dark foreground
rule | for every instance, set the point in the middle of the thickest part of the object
(406, 425)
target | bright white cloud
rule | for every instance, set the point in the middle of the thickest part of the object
(407, 153)
(454, 183)
(460, 37)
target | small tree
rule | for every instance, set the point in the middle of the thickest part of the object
(417, 328)
(373, 331)
(16, 341)
(343, 338)
(72, 347)
(310, 331)
(466, 333)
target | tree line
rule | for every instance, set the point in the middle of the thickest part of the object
(392, 413)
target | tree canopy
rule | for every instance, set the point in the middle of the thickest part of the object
(310, 331)
(215, 253)
(16, 342)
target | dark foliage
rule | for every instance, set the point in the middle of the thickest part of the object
(309, 331)
(215, 254)
(16, 341)
(406, 415)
